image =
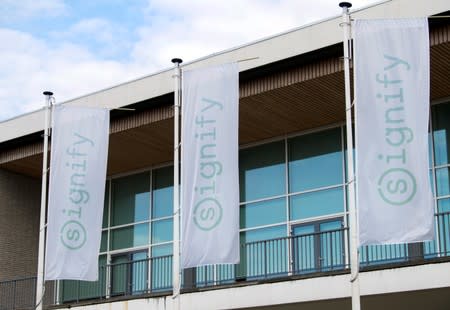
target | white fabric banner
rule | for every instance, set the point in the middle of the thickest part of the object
(394, 198)
(79, 151)
(209, 166)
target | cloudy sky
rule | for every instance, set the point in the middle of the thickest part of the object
(76, 47)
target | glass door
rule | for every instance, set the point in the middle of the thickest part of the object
(318, 246)
(129, 272)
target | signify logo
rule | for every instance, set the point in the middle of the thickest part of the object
(396, 184)
(207, 213)
(73, 233)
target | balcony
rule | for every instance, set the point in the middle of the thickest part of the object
(295, 257)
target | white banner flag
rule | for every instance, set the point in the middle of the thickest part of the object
(209, 166)
(79, 152)
(395, 203)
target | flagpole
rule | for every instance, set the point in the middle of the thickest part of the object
(41, 252)
(176, 283)
(354, 263)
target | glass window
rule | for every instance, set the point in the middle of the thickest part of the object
(106, 206)
(119, 274)
(77, 290)
(431, 181)
(162, 250)
(318, 203)
(162, 231)
(262, 258)
(129, 273)
(263, 234)
(162, 192)
(139, 272)
(262, 171)
(443, 181)
(130, 199)
(161, 264)
(443, 225)
(130, 236)
(315, 160)
(104, 242)
(443, 205)
(318, 246)
(441, 133)
(263, 213)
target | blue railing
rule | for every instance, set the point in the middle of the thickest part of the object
(294, 256)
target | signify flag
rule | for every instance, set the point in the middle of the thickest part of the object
(209, 166)
(79, 152)
(395, 203)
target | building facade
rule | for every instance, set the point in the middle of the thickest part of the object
(293, 190)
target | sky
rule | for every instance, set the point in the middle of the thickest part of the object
(75, 47)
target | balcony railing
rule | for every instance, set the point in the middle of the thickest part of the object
(294, 256)
(20, 294)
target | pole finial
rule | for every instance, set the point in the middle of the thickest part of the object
(177, 60)
(47, 93)
(345, 5)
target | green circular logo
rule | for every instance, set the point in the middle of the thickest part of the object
(73, 235)
(397, 186)
(207, 213)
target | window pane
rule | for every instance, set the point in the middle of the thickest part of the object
(443, 181)
(139, 272)
(161, 267)
(444, 205)
(104, 242)
(431, 181)
(443, 227)
(162, 231)
(319, 203)
(162, 250)
(263, 213)
(78, 290)
(441, 133)
(263, 259)
(130, 199)
(162, 192)
(262, 171)
(327, 226)
(315, 160)
(119, 270)
(263, 234)
(303, 248)
(331, 245)
(105, 206)
(129, 237)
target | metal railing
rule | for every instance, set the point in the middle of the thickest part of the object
(302, 255)
(281, 257)
(20, 294)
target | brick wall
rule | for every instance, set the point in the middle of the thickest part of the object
(19, 225)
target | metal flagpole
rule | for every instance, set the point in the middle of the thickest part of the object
(354, 262)
(41, 253)
(176, 283)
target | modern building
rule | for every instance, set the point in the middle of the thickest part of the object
(293, 189)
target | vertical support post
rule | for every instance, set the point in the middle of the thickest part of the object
(41, 252)
(176, 271)
(354, 262)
